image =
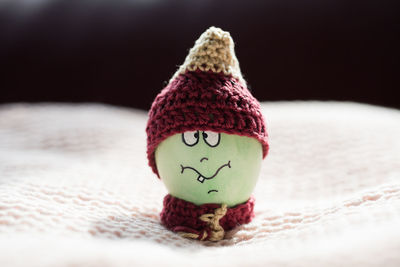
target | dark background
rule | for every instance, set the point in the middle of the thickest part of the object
(122, 52)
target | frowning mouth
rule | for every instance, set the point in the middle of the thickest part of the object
(201, 177)
(213, 190)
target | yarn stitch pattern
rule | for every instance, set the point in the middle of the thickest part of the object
(192, 221)
(213, 51)
(198, 100)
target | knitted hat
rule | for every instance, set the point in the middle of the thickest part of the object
(207, 92)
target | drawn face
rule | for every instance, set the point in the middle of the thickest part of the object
(208, 167)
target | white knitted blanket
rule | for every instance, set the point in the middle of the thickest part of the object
(75, 190)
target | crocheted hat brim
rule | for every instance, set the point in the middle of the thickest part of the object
(198, 100)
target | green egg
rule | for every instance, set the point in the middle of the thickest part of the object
(208, 167)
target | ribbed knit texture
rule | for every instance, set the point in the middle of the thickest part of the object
(180, 215)
(198, 100)
(75, 190)
(207, 92)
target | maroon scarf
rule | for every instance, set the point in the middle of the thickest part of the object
(182, 216)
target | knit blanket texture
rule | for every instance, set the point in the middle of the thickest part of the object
(76, 190)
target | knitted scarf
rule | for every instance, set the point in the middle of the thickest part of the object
(204, 222)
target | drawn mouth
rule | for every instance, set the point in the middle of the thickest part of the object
(201, 178)
(213, 190)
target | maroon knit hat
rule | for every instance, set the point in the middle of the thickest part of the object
(207, 92)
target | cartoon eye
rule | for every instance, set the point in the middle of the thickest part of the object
(211, 138)
(190, 138)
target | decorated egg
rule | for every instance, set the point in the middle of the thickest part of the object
(206, 139)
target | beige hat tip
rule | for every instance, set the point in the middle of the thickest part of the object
(213, 51)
